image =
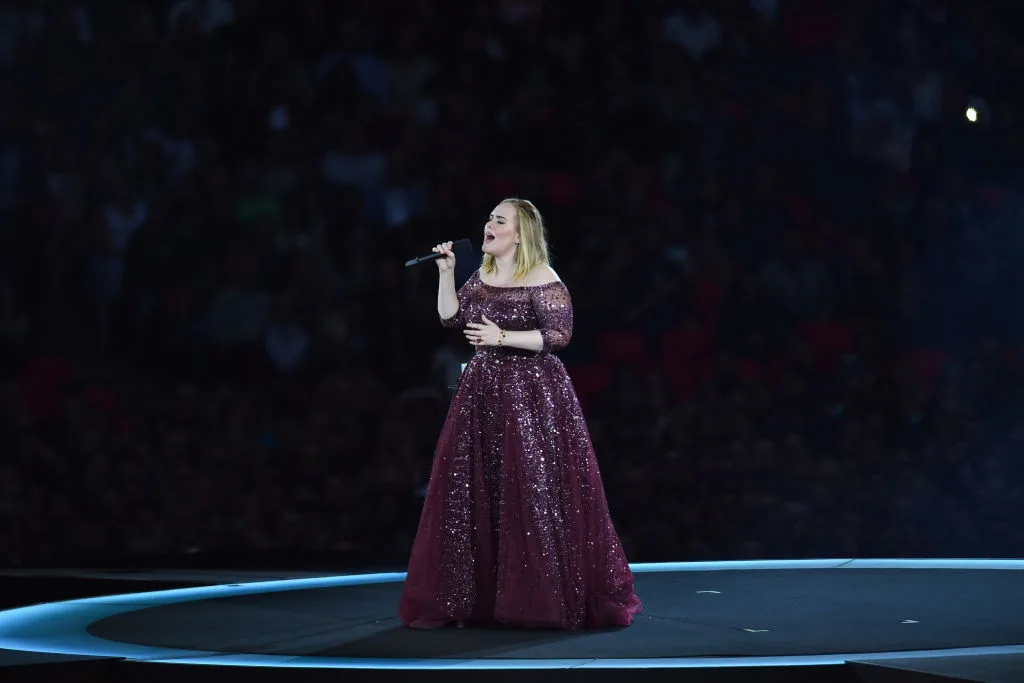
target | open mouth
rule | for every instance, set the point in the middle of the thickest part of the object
(488, 237)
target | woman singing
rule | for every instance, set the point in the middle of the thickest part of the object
(515, 526)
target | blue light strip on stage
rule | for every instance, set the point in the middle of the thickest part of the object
(934, 564)
(62, 627)
(643, 567)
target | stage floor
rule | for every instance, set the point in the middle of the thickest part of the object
(696, 615)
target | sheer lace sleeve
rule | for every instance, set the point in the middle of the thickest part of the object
(553, 307)
(459, 319)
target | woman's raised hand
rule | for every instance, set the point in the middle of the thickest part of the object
(447, 263)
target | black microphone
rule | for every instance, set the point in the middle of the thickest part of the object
(462, 245)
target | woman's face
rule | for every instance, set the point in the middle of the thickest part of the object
(501, 233)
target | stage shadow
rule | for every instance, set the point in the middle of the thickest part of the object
(448, 643)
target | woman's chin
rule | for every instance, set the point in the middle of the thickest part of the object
(492, 249)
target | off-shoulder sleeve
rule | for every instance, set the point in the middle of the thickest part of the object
(459, 319)
(553, 307)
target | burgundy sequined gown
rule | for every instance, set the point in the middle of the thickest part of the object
(515, 526)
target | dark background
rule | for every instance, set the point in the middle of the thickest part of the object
(795, 266)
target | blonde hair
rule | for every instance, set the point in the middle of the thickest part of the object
(532, 250)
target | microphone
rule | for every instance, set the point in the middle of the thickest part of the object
(460, 246)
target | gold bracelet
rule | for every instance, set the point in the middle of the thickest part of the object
(501, 337)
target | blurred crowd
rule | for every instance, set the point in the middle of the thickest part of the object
(790, 228)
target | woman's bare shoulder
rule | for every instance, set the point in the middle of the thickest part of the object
(542, 275)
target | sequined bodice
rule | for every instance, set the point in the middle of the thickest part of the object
(546, 307)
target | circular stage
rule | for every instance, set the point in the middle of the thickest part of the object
(696, 615)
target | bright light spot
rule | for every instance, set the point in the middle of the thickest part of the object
(972, 114)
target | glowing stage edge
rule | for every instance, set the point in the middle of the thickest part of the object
(62, 627)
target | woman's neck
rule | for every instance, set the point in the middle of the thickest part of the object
(505, 266)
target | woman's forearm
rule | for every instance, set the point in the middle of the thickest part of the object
(530, 340)
(447, 299)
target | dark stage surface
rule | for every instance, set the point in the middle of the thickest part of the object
(767, 613)
(702, 619)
